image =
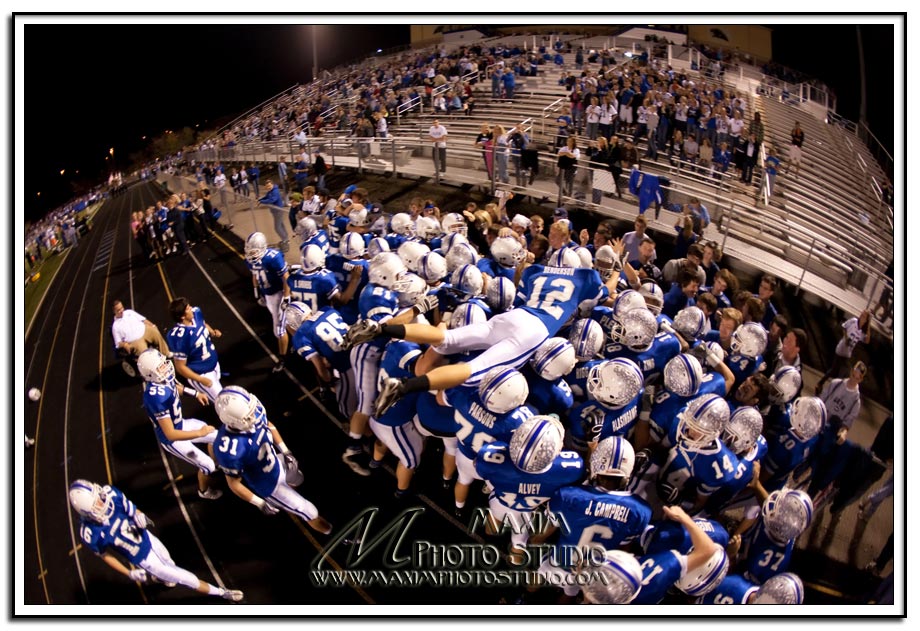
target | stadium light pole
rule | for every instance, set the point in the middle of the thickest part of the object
(315, 59)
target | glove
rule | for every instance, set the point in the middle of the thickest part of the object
(268, 509)
(138, 574)
(292, 474)
(701, 352)
(285, 301)
(261, 301)
(426, 303)
(142, 521)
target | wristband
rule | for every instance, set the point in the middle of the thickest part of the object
(257, 501)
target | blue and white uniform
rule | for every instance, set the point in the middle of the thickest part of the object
(670, 535)
(785, 452)
(743, 367)
(269, 273)
(495, 269)
(161, 401)
(336, 229)
(323, 333)
(316, 289)
(667, 405)
(763, 557)
(341, 268)
(192, 342)
(320, 239)
(744, 473)
(651, 361)
(547, 397)
(430, 420)
(660, 571)
(592, 420)
(698, 471)
(396, 428)
(379, 304)
(733, 590)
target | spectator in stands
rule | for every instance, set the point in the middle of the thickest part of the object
(682, 293)
(220, 181)
(608, 114)
(724, 284)
(685, 235)
(757, 129)
(484, 142)
(567, 163)
(508, 83)
(691, 149)
(438, 135)
(712, 254)
(652, 120)
(767, 288)
(722, 158)
(244, 181)
(536, 228)
(705, 160)
(319, 168)
(630, 156)
(235, 181)
(273, 200)
(676, 150)
(797, 138)
(775, 336)
(708, 305)
(501, 154)
(789, 354)
(728, 323)
(855, 330)
(564, 127)
(749, 150)
(519, 140)
(301, 173)
(592, 118)
(539, 247)
(282, 175)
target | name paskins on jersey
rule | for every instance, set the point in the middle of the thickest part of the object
(269, 271)
(597, 516)
(478, 426)
(397, 362)
(120, 532)
(162, 401)
(193, 344)
(667, 405)
(521, 490)
(651, 361)
(323, 333)
(314, 288)
(249, 455)
(553, 294)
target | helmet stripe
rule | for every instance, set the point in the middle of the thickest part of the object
(691, 374)
(615, 456)
(531, 441)
(497, 382)
(553, 354)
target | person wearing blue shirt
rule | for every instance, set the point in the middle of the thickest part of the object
(682, 293)
(253, 172)
(272, 199)
(269, 283)
(193, 352)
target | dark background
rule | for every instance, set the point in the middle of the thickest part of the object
(89, 88)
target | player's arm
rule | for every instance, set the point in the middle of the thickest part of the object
(116, 564)
(182, 368)
(428, 361)
(354, 279)
(201, 396)
(172, 434)
(703, 546)
(215, 333)
(322, 370)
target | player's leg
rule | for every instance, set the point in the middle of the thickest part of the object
(160, 565)
(293, 502)
(345, 393)
(466, 473)
(214, 389)
(405, 443)
(186, 450)
(273, 304)
(365, 361)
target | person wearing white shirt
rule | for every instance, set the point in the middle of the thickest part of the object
(438, 134)
(133, 333)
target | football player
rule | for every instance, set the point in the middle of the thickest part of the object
(250, 452)
(791, 448)
(614, 389)
(350, 270)
(177, 435)
(312, 283)
(116, 530)
(748, 343)
(270, 286)
(548, 391)
(782, 589)
(193, 351)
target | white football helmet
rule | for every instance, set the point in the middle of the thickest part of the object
(786, 514)
(784, 588)
(387, 270)
(584, 254)
(459, 255)
(654, 297)
(256, 247)
(155, 367)
(508, 251)
(565, 257)
(450, 240)
(91, 501)
(605, 262)
(314, 258)
(785, 384)
(467, 279)
(706, 577)
(701, 421)
(502, 389)
(453, 223)
(683, 375)
(587, 337)
(410, 252)
(554, 358)
(635, 329)
(358, 217)
(807, 417)
(432, 267)
(238, 409)
(621, 583)
(500, 293)
(352, 246)
(294, 315)
(465, 314)
(615, 457)
(742, 430)
(749, 339)
(691, 323)
(428, 228)
(536, 443)
(306, 228)
(615, 382)
(627, 301)
(415, 289)
(376, 246)
(402, 223)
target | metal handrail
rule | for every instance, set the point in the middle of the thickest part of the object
(249, 112)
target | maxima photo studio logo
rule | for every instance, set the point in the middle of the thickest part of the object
(366, 553)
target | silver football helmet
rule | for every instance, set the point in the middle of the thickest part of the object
(502, 389)
(387, 270)
(614, 457)
(615, 382)
(587, 337)
(742, 430)
(536, 443)
(454, 223)
(452, 239)
(428, 228)
(706, 577)
(256, 247)
(628, 300)
(701, 421)
(376, 246)
(467, 279)
(807, 417)
(786, 514)
(401, 223)
(691, 323)
(352, 246)
(238, 409)
(683, 375)
(565, 257)
(785, 384)
(358, 217)
(654, 297)
(155, 367)
(585, 255)
(621, 583)
(605, 262)
(91, 501)
(432, 267)
(749, 339)
(306, 228)
(554, 358)
(466, 314)
(459, 255)
(508, 251)
(784, 588)
(416, 287)
(313, 258)
(635, 329)
(411, 252)
(500, 293)
(294, 315)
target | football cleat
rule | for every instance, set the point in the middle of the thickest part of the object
(390, 393)
(231, 594)
(210, 494)
(360, 332)
(351, 459)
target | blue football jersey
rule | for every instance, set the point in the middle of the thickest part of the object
(659, 573)
(524, 491)
(395, 240)
(316, 289)
(324, 333)
(379, 304)
(733, 590)
(785, 452)
(763, 557)
(397, 362)
(120, 533)
(162, 402)
(578, 378)
(743, 367)
(269, 272)
(744, 473)
(320, 239)
(599, 421)
(495, 269)
(603, 316)
(651, 361)
(596, 516)
(667, 405)
(341, 267)
(547, 397)
(478, 426)
(699, 470)
(554, 294)
(192, 342)
(670, 535)
(250, 456)
(336, 230)
(434, 417)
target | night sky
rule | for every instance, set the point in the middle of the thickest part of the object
(109, 85)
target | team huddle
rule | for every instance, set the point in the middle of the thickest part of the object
(559, 384)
